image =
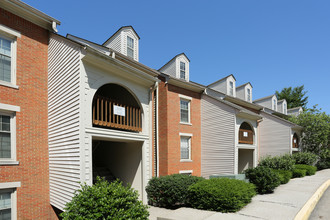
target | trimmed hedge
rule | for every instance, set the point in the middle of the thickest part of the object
(170, 191)
(305, 158)
(284, 162)
(105, 200)
(265, 179)
(323, 163)
(297, 173)
(310, 170)
(221, 194)
(285, 175)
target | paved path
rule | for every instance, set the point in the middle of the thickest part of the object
(322, 209)
(283, 204)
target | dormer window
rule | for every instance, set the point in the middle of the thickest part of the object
(182, 70)
(231, 88)
(284, 108)
(248, 91)
(274, 104)
(130, 47)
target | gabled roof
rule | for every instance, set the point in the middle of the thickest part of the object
(242, 102)
(123, 27)
(295, 108)
(244, 85)
(174, 59)
(222, 80)
(284, 120)
(267, 97)
(282, 100)
(183, 83)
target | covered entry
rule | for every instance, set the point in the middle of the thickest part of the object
(118, 159)
(245, 159)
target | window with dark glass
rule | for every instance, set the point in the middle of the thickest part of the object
(130, 47)
(5, 145)
(182, 70)
(5, 59)
(184, 110)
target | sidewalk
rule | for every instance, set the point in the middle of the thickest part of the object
(286, 201)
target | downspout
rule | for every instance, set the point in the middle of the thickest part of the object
(258, 122)
(154, 94)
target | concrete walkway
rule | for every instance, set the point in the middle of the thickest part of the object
(286, 201)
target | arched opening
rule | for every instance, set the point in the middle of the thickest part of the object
(245, 134)
(295, 141)
(114, 107)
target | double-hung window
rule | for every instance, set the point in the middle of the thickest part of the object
(231, 88)
(5, 137)
(5, 59)
(5, 204)
(248, 95)
(130, 47)
(185, 148)
(182, 70)
(274, 104)
(184, 111)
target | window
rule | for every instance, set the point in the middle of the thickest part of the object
(231, 88)
(185, 148)
(182, 70)
(245, 134)
(274, 104)
(5, 139)
(130, 47)
(5, 59)
(184, 111)
(284, 110)
(5, 204)
(249, 95)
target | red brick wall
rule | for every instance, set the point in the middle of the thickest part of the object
(170, 127)
(31, 121)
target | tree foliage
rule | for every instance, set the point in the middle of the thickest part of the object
(295, 97)
(316, 131)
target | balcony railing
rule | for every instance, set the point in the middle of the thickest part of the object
(110, 113)
(245, 136)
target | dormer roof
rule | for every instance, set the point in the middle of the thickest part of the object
(282, 100)
(244, 85)
(222, 80)
(267, 97)
(120, 29)
(174, 59)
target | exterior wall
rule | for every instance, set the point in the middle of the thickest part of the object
(31, 120)
(275, 136)
(240, 92)
(170, 68)
(170, 129)
(64, 120)
(115, 43)
(268, 103)
(218, 137)
(223, 85)
(295, 111)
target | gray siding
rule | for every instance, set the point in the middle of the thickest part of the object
(63, 120)
(220, 86)
(274, 136)
(115, 43)
(170, 68)
(240, 92)
(218, 137)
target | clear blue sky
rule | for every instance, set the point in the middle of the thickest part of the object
(272, 44)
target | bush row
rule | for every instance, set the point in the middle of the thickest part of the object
(218, 194)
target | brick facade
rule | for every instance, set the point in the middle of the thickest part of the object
(170, 128)
(31, 121)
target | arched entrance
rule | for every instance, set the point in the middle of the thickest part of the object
(114, 107)
(245, 134)
(245, 152)
(295, 141)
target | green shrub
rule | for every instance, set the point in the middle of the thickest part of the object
(264, 178)
(284, 162)
(297, 173)
(285, 175)
(323, 163)
(105, 200)
(310, 170)
(221, 194)
(305, 158)
(170, 191)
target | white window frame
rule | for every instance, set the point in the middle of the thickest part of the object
(128, 47)
(186, 172)
(186, 135)
(248, 94)
(185, 72)
(10, 110)
(11, 35)
(188, 99)
(274, 104)
(11, 187)
(231, 89)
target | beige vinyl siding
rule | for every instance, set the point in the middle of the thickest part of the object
(63, 120)
(240, 92)
(170, 68)
(218, 137)
(274, 136)
(220, 86)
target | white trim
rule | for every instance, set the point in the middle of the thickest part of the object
(107, 134)
(185, 97)
(10, 31)
(7, 107)
(13, 57)
(186, 134)
(9, 185)
(185, 123)
(12, 159)
(185, 171)
(4, 162)
(7, 84)
(186, 160)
